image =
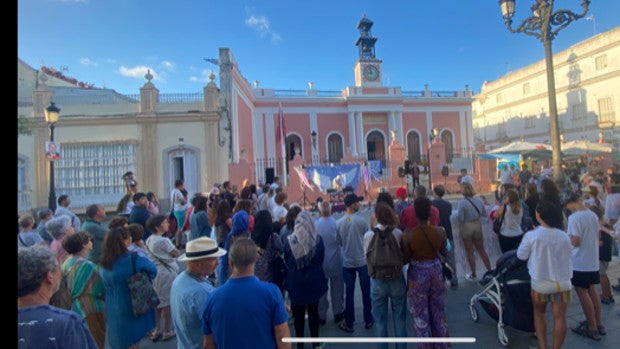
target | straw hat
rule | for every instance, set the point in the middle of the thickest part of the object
(202, 247)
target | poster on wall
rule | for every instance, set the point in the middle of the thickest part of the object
(52, 151)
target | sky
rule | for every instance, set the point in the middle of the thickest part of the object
(284, 44)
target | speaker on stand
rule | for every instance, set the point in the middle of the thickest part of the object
(269, 175)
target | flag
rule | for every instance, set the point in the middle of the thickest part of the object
(281, 129)
(303, 176)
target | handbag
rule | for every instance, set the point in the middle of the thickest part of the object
(497, 222)
(446, 269)
(143, 295)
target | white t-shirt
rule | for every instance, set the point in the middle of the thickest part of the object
(584, 224)
(547, 251)
(278, 213)
(177, 196)
(467, 179)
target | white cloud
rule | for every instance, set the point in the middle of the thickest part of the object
(261, 25)
(136, 72)
(170, 66)
(203, 77)
(88, 63)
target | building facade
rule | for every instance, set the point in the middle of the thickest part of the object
(587, 75)
(231, 132)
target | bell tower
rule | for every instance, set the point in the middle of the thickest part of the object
(367, 68)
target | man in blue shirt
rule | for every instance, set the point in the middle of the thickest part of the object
(191, 288)
(232, 319)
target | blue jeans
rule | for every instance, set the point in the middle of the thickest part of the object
(383, 292)
(349, 275)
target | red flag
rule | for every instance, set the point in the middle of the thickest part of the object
(281, 129)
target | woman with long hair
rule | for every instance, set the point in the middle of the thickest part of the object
(510, 233)
(469, 211)
(287, 228)
(268, 242)
(426, 289)
(222, 221)
(163, 253)
(247, 205)
(532, 198)
(124, 329)
(547, 250)
(388, 292)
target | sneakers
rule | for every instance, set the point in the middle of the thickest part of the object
(471, 278)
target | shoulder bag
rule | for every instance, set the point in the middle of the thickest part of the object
(476, 207)
(143, 295)
(497, 222)
(447, 270)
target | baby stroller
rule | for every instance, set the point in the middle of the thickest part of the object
(505, 296)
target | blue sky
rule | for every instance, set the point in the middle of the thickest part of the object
(284, 44)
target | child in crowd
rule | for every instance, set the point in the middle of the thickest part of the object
(604, 255)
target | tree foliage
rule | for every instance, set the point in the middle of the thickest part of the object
(24, 125)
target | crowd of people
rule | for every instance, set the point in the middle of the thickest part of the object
(298, 263)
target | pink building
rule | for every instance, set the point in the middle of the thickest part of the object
(355, 125)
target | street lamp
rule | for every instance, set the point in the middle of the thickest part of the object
(541, 25)
(52, 113)
(431, 138)
(313, 135)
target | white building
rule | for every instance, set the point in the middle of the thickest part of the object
(587, 76)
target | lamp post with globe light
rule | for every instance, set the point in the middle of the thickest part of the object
(52, 113)
(544, 24)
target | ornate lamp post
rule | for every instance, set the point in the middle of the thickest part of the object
(313, 136)
(431, 138)
(52, 113)
(545, 25)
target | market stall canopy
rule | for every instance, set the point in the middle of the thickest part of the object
(525, 149)
(581, 146)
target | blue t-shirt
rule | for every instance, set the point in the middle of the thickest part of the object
(45, 326)
(188, 297)
(242, 313)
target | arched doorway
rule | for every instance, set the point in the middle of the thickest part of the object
(447, 140)
(413, 147)
(375, 147)
(293, 145)
(334, 148)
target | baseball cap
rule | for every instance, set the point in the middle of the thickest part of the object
(401, 193)
(350, 199)
(567, 196)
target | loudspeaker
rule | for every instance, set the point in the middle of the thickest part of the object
(445, 171)
(269, 174)
(408, 166)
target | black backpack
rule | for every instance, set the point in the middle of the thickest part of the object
(383, 256)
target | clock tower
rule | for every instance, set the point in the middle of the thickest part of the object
(367, 68)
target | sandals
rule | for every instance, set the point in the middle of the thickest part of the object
(168, 335)
(155, 335)
(583, 331)
(601, 329)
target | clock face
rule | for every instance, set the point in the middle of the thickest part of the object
(371, 72)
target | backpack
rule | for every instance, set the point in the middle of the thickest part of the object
(383, 256)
